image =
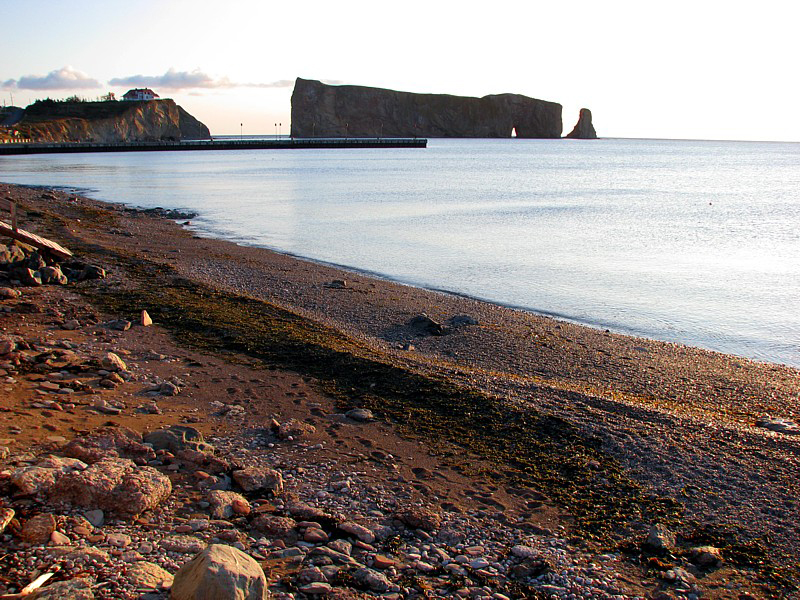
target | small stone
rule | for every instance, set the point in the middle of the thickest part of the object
(59, 538)
(383, 562)
(71, 325)
(145, 319)
(95, 517)
(112, 362)
(660, 539)
(361, 415)
(253, 479)
(315, 536)
(120, 540)
(706, 556)
(358, 531)
(316, 588)
(149, 575)
(369, 578)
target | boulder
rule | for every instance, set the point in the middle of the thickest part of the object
(41, 477)
(253, 479)
(145, 574)
(224, 505)
(220, 572)
(660, 539)
(53, 275)
(38, 528)
(79, 588)
(114, 485)
(112, 362)
(423, 324)
(276, 527)
(177, 438)
(295, 429)
(110, 442)
(419, 517)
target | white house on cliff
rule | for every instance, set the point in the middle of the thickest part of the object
(140, 94)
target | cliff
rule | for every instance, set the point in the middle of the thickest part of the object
(108, 122)
(583, 130)
(320, 110)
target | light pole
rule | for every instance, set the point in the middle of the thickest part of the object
(276, 132)
(241, 125)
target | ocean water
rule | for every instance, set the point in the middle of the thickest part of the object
(696, 242)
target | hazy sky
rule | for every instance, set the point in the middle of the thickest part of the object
(699, 69)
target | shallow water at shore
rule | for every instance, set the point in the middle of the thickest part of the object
(692, 242)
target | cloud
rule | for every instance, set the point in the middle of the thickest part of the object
(65, 78)
(193, 80)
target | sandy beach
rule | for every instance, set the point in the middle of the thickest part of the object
(512, 438)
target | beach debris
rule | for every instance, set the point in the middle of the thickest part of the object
(220, 571)
(462, 320)
(779, 425)
(362, 415)
(337, 284)
(423, 324)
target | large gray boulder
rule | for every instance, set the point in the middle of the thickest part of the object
(220, 573)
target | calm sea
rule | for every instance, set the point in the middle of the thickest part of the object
(683, 241)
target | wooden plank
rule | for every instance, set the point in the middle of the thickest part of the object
(34, 240)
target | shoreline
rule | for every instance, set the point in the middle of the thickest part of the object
(672, 430)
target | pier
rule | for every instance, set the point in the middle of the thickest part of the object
(227, 144)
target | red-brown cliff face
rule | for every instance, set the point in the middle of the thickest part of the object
(109, 122)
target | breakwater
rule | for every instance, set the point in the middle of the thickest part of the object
(229, 144)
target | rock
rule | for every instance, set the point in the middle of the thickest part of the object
(27, 276)
(112, 362)
(583, 130)
(177, 438)
(38, 528)
(362, 415)
(53, 275)
(59, 538)
(253, 479)
(92, 272)
(383, 562)
(169, 389)
(706, 556)
(145, 319)
(120, 325)
(462, 320)
(71, 325)
(220, 572)
(660, 539)
(780, 425)
(6, 515)
(7, 345)
(96, 517)
(524, 552)
(359, 531)
(149, 575)
(425, 325)
(41, 477)
(222, 503)
(295, 429)
(419, 517)
(316, 588)
(320, 110)
(371, 579)
(314, 535)
(116, 485)
(184, 544)
(8, 293)
(79, 588)
(110, 442)
(79, 553)
(275, 527)
(120, 540)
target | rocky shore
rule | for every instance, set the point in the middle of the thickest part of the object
(182, 416)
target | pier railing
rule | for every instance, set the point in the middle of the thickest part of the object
(227, 144)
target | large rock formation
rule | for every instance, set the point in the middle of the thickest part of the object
(109, 122)
(583, 130)
(320, 110)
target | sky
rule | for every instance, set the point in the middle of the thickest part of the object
(682, 70)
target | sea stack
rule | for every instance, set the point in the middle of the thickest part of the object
(583, 130)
